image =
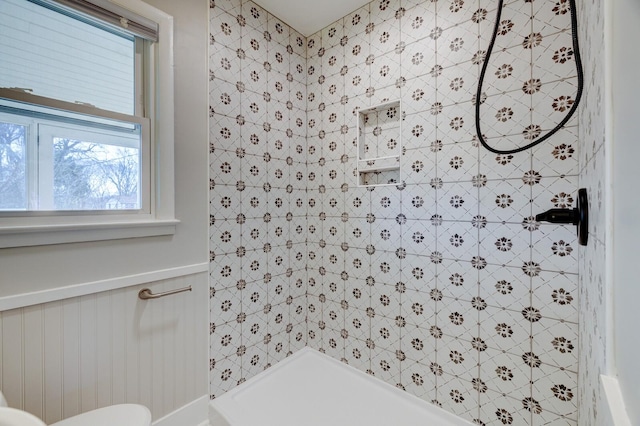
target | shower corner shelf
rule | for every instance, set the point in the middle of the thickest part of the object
(379, 145)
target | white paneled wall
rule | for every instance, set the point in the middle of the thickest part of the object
(66, 357)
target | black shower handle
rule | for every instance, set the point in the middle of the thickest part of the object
(562, 216)
(578, 216)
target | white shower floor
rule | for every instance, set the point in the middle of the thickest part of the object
(313, 389)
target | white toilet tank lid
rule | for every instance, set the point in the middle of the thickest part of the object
(120, 415)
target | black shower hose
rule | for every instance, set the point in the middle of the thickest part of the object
(578, 62)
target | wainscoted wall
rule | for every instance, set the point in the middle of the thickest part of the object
(62, 358)
(594, 170)
(445, 286)
(258, 198)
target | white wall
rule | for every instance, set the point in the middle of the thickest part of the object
(626, 208)
(63, 358)
(32, 269)
(69, 356)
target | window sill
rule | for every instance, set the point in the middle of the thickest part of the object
(39, 235)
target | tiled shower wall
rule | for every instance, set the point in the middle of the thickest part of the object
(594, 157)
(257, 192)
(445, 286)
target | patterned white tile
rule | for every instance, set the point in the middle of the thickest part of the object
(458, 396)
(380, 264)
(505, 373)
(505, 200)
(498, 408)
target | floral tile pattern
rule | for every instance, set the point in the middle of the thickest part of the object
(258, 182)
(444, 285)
(465, 292)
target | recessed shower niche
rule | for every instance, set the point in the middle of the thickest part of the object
(379, 144)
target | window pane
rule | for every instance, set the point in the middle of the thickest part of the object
(13, 160)
(95, 176)
(69, 161)
(63, 58)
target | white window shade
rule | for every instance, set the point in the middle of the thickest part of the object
(59, 57)
(104, 12)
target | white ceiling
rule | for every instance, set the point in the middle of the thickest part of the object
(310, 16)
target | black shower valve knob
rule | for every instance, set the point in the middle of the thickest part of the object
(563, 216)
(578, 216)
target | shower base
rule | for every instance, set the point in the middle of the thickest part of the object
(313, 389)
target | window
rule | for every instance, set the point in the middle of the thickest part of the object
(79, 147)
(73, 167)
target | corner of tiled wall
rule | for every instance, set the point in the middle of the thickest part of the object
(258, 222)
(593, 176)
(444, 285)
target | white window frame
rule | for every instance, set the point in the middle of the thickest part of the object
(45, 228)
(47, 131)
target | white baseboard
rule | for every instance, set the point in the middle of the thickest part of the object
(194, 413)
